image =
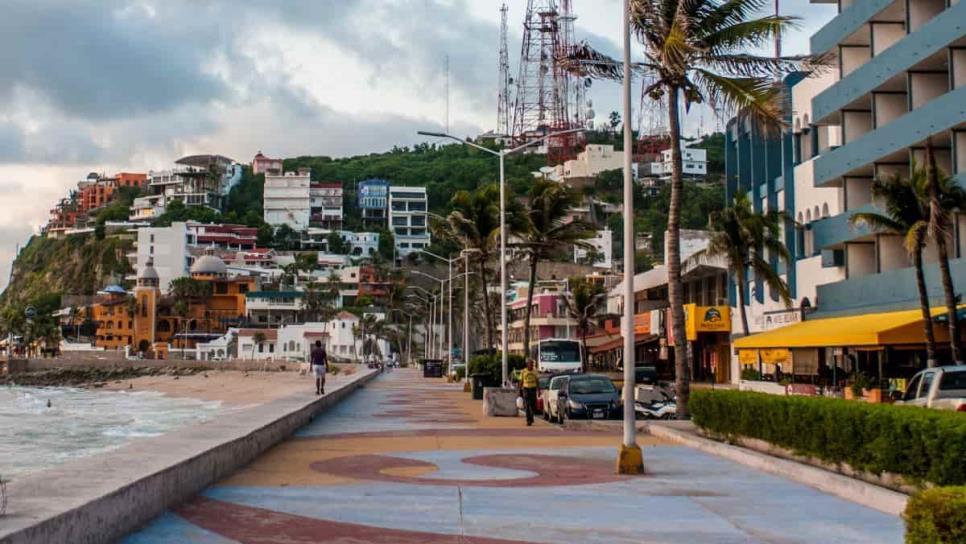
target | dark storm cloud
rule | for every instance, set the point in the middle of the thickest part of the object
(105, 59)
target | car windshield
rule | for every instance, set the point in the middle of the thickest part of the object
(591, 386)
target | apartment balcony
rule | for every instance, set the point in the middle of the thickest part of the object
(837, 229)
(891, 142)
(886, 71)
(846, 24)
(885, 291)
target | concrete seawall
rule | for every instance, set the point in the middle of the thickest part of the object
(104, 497)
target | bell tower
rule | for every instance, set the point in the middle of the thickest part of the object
(146, 293)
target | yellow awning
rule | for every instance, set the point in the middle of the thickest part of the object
(890, 328)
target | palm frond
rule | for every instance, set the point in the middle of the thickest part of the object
(757, 97)
(877, 222)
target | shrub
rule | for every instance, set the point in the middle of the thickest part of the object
(492, 366)
(936, 516)
(919, 444)
(749, 374)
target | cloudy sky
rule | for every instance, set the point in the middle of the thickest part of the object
(130, 85)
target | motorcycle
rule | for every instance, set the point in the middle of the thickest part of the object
(662, 408)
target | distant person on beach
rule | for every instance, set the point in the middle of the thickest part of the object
(319, 361)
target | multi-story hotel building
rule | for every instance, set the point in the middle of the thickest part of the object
(408, 218)
(897, 79)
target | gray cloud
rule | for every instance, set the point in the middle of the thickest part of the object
(96, 59)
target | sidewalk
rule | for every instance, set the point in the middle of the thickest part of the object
(408, 459)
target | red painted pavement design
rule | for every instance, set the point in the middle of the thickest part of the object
(249, 525)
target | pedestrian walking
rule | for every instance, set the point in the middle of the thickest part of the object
(529, 385)
(319, 361)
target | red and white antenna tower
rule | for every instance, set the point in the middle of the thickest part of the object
(503, 100)
(653, 135)
(541, 105)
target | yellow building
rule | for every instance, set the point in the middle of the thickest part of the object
(113, 315)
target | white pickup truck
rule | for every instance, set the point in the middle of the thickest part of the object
(942, 388)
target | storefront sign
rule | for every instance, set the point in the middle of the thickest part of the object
(706, 319)
(776, 320)
(748, 357)
(775, 355)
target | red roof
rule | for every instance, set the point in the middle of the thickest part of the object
(270, 334)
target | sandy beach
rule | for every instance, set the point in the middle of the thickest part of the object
(233, 388)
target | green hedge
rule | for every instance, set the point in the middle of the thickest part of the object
(936, 516)
(492, 366)
(919, 444)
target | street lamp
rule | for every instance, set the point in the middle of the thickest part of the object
(629, 459)
(441, 281)
(430, 302)
(449, 262)
(503, 286)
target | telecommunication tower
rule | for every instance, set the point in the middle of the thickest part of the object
(503, 99)
(653, 135)
(541, 96)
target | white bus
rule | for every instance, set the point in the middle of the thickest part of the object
(555, 355)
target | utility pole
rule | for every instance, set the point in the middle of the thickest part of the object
(629, 458)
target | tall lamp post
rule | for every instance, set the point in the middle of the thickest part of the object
(504, 334)
(442, 290)
(629, 458)
(449, 263)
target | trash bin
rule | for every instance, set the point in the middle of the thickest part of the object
(432, 368)
(479, 382)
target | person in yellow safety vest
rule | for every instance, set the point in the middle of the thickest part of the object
(529, 384)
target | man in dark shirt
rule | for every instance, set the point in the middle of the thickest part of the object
(319, 362)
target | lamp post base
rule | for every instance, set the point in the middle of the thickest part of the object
(630, 460)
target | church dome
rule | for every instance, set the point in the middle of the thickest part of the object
(209, 265)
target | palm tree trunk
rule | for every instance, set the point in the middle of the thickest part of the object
(488, 316)
(675, 288)
(924, 306)
(955, 343)
(742, 278)
(586, 354)
(937, 222)
(526, 318)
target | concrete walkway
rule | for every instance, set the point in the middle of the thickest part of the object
(411, 460)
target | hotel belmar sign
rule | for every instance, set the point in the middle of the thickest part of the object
(777, 319)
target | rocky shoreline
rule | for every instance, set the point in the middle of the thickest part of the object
(92, 377)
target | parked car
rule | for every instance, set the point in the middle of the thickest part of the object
(590, 396)
(942, 388)
(544, 383)
(550, 396)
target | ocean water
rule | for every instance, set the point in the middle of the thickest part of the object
(82, 422)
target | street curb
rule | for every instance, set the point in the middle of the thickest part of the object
(102, 498)
(851, 489)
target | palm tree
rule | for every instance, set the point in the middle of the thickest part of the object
(905, 213)
(698, 50)
(744, 238)
(945, 198)
(475, 222)
(585, 303)
(545, 232)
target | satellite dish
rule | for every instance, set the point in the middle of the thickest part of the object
(590, 103)
(588, 82)
(30, 312)
(591, 114)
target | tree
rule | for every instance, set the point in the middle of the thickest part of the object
(746, 238)
(545, 231)
(286, 238)
(336, 244)
(585, 304)
(387, 245)
(614, 119)
(905, 205)
(698, 50)
(945, 198)
(185, 291)
(475, 222)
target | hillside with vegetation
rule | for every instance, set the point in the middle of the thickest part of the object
(82, 264)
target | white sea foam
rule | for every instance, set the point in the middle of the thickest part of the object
(80, 422)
